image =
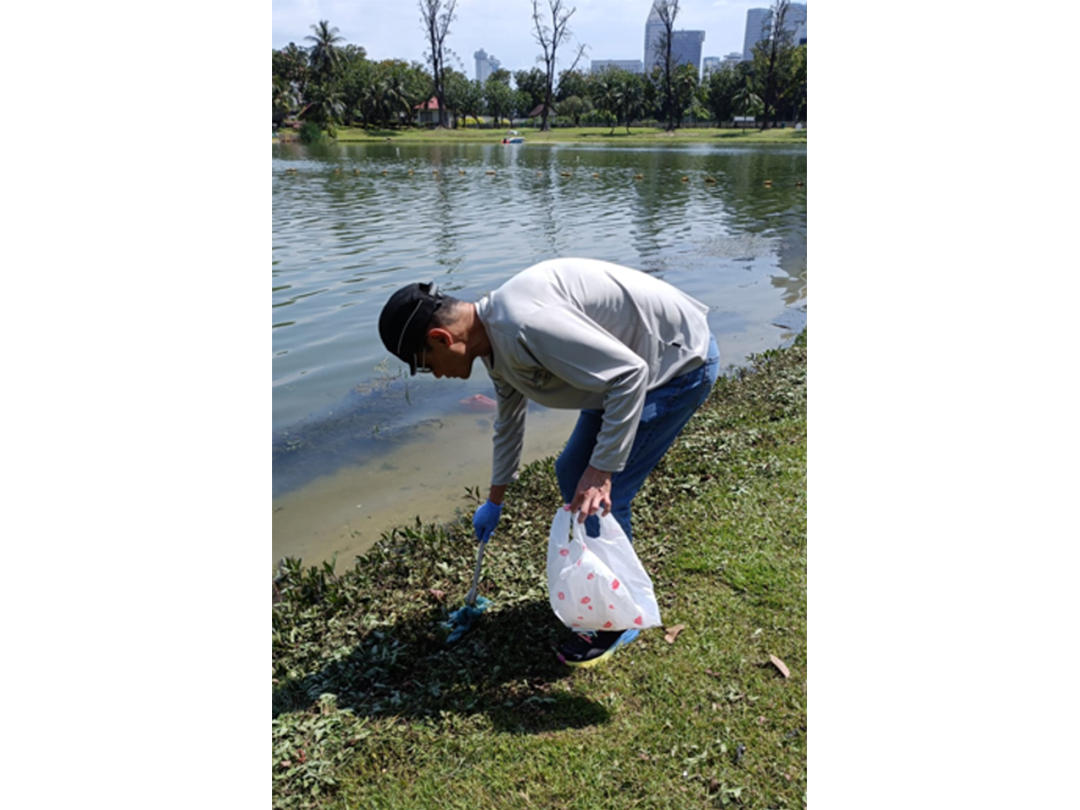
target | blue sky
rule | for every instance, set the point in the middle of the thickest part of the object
(613, 29)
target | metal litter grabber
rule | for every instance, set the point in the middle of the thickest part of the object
(462, 619)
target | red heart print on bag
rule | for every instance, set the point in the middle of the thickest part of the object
(608, 624)
(590, 576)
(615, 585)
(564, 552)
(562, 595)
(637, 620)
(585, 600)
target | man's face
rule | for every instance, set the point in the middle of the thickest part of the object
(444, 361)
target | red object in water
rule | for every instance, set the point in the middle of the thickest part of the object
(478, 402)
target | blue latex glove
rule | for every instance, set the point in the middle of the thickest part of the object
(486, 519)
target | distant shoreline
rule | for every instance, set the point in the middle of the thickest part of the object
(653, 136)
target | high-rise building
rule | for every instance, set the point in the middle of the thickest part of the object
(632, 65)
(686, 48)
(708, 65)
(755, 29)
(654, 29)
(685, 45)
(486, 64)
(758, 20)
(732, 59)
(795, 21)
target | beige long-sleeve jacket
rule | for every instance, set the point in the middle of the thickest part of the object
(581, 333)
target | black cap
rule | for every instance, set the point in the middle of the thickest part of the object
(404, 320)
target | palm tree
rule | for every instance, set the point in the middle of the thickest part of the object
(325, 105)
(285, 100)
(608, 95)
(747, 102)
(324, 55)
(632, 97)
(386, 99)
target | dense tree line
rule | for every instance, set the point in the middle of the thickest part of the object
(330, 82)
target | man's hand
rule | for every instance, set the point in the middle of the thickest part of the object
(486, 519)
(593, 493)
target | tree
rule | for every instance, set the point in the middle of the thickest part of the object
(771, 55)
(573, 107)
(323, 55)
(291, 67)
(436, 16)
(667, 10)
(620, 94)
(721, 87)
(746, 101)
(473, 101)
(325, 105)
(499, 97)
(394, 90)
(798, 82)
(520, 107)
(285, 100)
(457, 93)
(684, 83)
(355, 75)
(534, 84)
(606, 95)
(290, 78)
(549, 38)
(572, 83)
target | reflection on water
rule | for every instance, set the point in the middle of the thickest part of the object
(353, 223)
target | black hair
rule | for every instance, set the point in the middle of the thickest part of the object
(446, 314)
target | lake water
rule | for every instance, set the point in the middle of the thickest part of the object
(358, 446)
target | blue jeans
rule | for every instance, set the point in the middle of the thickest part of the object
(667, 410)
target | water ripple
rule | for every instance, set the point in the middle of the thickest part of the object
(345, 235)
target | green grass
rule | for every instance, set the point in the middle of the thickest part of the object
(637, 135)
(372, 710)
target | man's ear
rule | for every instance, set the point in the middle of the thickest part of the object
(439, 335)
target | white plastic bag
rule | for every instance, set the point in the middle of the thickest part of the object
(597, 583)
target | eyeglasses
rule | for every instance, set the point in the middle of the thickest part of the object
(422, 366)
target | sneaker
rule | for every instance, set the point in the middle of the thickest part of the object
(589, 649)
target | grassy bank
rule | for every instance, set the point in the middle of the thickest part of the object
(637, 135)
(371, 710)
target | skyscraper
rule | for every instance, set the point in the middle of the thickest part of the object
(654, 29)
(795, 21)
(600, 65)
(755, 25)
(685, 45)
(686, 48)
(757, 22)
(486, 64)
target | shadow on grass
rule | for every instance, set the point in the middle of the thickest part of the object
(504, 667)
